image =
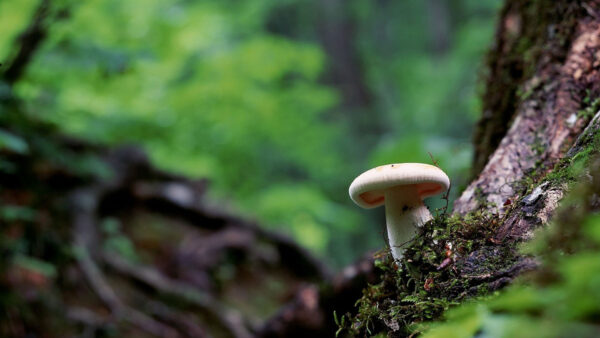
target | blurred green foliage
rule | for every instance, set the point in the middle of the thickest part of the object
(211, 89)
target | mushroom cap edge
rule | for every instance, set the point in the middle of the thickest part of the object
(368, 189)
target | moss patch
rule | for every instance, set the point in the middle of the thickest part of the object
(446, 263)
(577, 159)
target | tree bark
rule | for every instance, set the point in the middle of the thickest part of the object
(547, 119)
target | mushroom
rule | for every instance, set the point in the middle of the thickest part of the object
(402, 188)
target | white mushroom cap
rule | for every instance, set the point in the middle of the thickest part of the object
(368, 189)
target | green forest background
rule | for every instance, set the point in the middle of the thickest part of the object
(279, 103)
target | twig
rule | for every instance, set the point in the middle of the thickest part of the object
(446, 198)
(435, 163)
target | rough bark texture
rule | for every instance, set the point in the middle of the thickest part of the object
(547, 118)
(537, 207)
(531, 40)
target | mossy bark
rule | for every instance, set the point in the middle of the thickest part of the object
(558, 78)
(533, 40)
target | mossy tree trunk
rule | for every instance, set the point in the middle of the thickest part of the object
(542, 77)
(544, 65)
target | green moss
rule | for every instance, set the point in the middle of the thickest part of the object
(572, 165)
(591, 107)
(430, 277)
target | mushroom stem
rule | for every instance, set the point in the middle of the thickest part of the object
(404, 213)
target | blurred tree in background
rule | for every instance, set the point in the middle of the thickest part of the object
(280, 103)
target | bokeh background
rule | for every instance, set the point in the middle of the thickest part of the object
(279, 103)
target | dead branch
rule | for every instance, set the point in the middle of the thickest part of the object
(86, 317)
(136, 184)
